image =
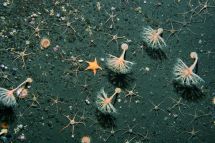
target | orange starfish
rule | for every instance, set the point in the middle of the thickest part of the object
(93, 66)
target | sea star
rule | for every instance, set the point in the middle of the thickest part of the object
(93, 66)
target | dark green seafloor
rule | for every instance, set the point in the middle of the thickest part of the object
(189, 26)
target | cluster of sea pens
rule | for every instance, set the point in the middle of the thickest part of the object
(182, 73)
(117, 65)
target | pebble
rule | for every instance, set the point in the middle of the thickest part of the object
(2, 66)
(87, 101)
(22, 137)
(166, 118)
(200, 41)
(102, 59)
(175, 115)
(119, 100)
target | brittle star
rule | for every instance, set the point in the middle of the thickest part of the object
(111, 17)
(131, 93)
(21, 55)
(76, 63)
(204, 7)
(192, 133)
(177, 104)
(72, 122)
(172, 31)
(185, 24)
(68, 26)
(115, 38)
(129, 141)
(37, 29)
(156, 107)
(85, 87)
(131, 132)
(68, 23)
(55, 101)
(112, 133)
(34, 100)
(5, 76)
(197, 116)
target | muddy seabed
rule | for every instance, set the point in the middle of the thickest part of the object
(82, 30)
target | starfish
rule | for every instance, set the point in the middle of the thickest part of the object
(93, 66)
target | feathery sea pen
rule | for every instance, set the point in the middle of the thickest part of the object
(152, 37)
(184, 74)
(7, 97)
(104, 103)
(119, 64)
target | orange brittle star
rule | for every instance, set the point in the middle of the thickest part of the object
(72, 122)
